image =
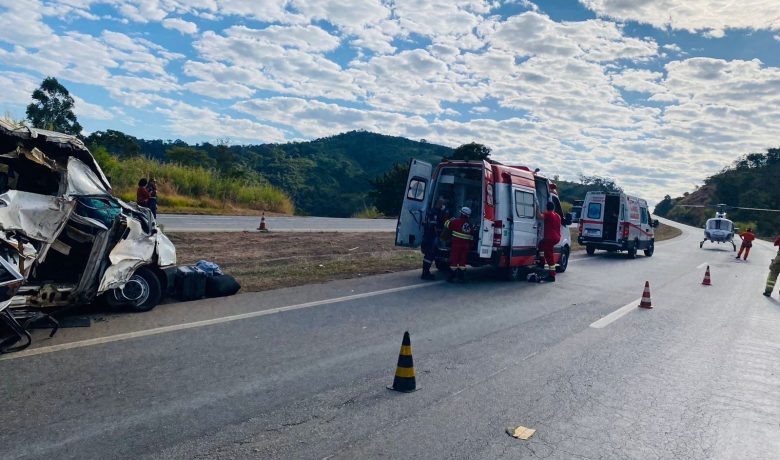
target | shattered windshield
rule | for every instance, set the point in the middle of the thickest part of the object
(82, 180)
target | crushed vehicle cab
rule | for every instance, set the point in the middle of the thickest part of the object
(616, 222)
(66, 235)
(504, 201)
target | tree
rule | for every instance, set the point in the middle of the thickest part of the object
(53, 108)
(116, 142)
(189, 156)
(470, 152)
(388, 193)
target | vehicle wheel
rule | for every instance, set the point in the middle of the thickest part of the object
(650, 249)
(590, 250)
(632, 251)
(141, 293)
(442, 265)
(563, 262)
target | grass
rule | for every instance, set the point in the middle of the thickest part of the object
(663, 232)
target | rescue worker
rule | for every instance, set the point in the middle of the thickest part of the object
(462, 238)
(774, 271)
(433, 229)
(151, 187)
(747, 243)
(552, 235)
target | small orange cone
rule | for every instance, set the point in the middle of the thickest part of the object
(262, 226)
(645, 303)
(404, 380)
(707, 281)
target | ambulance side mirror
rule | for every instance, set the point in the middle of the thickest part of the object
(567, 219)
(655, 223)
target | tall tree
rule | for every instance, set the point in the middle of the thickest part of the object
(52, 108)
(470, 152)
(388, 192)
(189, 156)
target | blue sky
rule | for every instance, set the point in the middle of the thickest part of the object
(655, 94)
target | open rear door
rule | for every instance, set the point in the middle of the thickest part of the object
(409, 230)
(488, 212)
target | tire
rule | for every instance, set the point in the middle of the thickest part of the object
(590, 250)
(442, 265)
(650, 249)
(563, 262)
(143, 286)
(632, 251)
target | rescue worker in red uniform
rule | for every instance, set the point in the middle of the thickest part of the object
(462, 239)
(552, 235)
(747, 243)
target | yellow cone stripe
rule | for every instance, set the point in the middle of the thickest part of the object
(405, 372)
(406, 350)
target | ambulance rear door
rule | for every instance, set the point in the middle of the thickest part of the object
(592, 222)
(409, 230)
(488, 212)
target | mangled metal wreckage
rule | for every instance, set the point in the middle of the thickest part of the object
(64, 239)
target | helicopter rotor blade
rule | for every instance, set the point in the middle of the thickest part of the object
(756, 209)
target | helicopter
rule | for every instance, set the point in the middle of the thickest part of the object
(719, 229)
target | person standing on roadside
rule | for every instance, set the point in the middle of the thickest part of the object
(774, 271)
(142, 193)
(152, 189)
(747, 243)
(462, 239)
(433, 229)
(552, 235)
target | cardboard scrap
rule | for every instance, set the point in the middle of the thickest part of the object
(520, 432)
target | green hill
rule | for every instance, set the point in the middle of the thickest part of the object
(750, 181)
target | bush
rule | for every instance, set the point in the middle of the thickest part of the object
(191, 186)
(368, 213)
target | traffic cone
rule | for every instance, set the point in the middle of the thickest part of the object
(706, 281)
(404, 380)
(262, 226)
(645, 303)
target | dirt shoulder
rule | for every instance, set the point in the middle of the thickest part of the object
(263, 261)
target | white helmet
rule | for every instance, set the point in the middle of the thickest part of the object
(465, 210)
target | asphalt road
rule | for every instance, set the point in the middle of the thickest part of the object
(301, 373)
(197, 223)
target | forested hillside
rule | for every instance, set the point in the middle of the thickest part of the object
(326, 177)
(750, 181)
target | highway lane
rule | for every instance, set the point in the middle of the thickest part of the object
(695, 377)
(198, 223)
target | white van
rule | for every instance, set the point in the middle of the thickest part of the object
(616, 222)
(503, 200)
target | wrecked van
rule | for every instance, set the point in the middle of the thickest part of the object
(68, 237)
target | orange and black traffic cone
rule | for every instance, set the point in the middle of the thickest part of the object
(645, 303)
(262, 226)
(707, 281)
(404, 380)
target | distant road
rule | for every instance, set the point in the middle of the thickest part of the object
(196, 223)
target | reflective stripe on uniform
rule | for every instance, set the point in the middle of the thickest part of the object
(463, 236)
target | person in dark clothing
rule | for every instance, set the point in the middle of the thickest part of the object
(433, 228)
(152, 189)
(142, 194)
(552, 235)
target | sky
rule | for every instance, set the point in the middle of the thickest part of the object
(655, 94)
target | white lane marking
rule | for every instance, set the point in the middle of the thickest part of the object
(616, 315)
(207, 322)
(702, 265)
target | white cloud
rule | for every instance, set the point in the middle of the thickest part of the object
(181, 25)
(712, 17)
(84, 109)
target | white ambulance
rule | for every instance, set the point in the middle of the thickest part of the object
(616, 222)
(504, 201)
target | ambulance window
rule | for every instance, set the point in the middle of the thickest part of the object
(594, 210)
(416, 190)
(524, 204)
(644, 215)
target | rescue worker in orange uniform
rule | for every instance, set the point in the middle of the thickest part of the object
(462, 239)
(747, 243)
(552, 235)
(774, 271)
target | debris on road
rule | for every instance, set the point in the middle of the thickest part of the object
(520, 432)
